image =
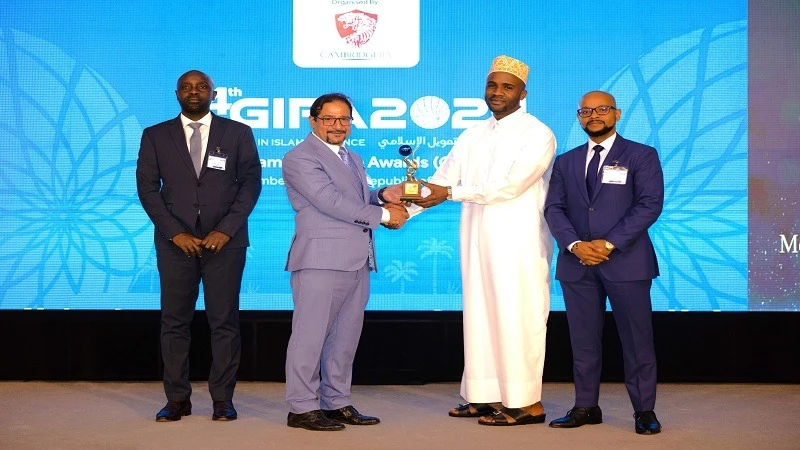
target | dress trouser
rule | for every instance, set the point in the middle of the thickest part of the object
(326, 327)
(180, 276)
(585, 302)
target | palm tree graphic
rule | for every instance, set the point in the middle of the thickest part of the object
(402, 272)
(434, 247)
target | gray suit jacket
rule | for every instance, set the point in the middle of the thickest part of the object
(333, 224)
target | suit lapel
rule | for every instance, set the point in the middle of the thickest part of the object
(362, 172)
(614, 154)
(215, 133)
(336, 164)
(619, 147)
(179, 137)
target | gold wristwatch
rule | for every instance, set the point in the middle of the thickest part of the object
(609, 246)
(449, 192)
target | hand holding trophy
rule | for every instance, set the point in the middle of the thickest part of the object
(411, 188)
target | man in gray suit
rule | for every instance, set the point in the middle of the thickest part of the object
(330, 259)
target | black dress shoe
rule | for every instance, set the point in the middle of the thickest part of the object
(577, 417)
(224, 410)
(313, 420)
(350, 415)
(646, 423)
(174, 410)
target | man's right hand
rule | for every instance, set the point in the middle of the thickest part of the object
(189, 245)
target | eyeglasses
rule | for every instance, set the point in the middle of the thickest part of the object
(329, 121)
(601, 111)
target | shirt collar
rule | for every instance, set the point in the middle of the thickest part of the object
(205, 120)
(607, 144)
(334, 148)
(494, 122)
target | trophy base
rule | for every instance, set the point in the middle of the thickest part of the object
(412, 190)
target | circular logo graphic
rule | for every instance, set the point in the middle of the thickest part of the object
(74, 226)
(429, 112)
(677, 98)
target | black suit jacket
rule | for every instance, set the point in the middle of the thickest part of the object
(173, 195)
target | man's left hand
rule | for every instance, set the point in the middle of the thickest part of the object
(215, 241)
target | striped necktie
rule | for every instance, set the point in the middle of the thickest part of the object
(353, 169)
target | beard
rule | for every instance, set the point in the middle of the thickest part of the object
(195, 108)
(507, 107)
(599, 132)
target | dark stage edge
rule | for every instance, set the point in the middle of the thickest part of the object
(395, 348)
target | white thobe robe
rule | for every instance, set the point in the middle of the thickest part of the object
(500, 171)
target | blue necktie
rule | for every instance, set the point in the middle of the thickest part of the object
(353, 170)
(591, 172)
(196, 147)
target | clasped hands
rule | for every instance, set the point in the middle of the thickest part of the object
(396, 206)
(193, 246)
(591, 253)
(438, 194)
(397, 215)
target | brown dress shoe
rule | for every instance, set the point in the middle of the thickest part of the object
(174, 410)
(313, 420)
(350, 415)
(224, 411)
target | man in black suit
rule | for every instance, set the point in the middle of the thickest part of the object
(198, 177)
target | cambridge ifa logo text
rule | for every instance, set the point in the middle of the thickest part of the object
(356, 27)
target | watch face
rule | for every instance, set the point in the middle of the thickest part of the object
(609, 245)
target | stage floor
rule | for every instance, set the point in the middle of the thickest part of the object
(104, 415)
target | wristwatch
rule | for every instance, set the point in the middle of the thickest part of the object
(449, 192)
(610, 246)
(380, 195)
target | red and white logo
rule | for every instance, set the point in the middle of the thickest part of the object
(356, 27)
(335, 34)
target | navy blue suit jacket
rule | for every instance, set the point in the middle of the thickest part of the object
(173, 195)
(620, 214)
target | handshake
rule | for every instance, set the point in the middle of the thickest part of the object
(397, 207)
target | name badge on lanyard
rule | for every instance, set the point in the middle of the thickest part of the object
(217, 159)
(615, 174)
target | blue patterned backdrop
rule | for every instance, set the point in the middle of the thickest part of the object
(82, 79)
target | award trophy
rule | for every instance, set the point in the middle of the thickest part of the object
(412, 188)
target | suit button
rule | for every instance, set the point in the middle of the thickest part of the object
(195, 205)
(591, 209)
(199, 184)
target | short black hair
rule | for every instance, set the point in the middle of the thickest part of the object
(316, 107)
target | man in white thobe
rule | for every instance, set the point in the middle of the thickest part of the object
(499, 170)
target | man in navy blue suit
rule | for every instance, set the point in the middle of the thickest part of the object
(198, 178)
(603, 197)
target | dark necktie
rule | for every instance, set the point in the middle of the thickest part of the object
(353, 170)
(196, 147)
(591, 172)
